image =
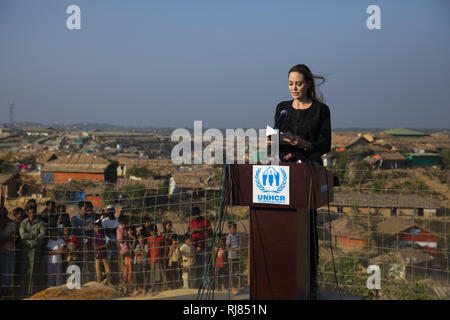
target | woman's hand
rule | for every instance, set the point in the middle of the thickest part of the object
(269, 141)
(295, 141)
(289, 138)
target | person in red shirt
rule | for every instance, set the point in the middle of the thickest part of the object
(200, 230)
(72, 246)
(156, 245)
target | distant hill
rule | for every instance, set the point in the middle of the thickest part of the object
(424, 130)
(168, 130)
(93, 126)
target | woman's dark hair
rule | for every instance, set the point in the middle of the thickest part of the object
(101, 229)
(165, 223)
(123, 219)
(153, 227)
(49, 202)
(31, 202)
(64, 219)
(195, 211)
(17, 210)
(309, 78)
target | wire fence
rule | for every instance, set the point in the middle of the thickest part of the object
(160, 240)
(396, 220)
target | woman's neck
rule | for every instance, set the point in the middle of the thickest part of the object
(302, 103)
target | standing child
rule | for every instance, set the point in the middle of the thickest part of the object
(187, 251)
(167, 234)
(220, 265)
(125, 255)
(140, 265)
(174, 257)
(99, 244)
(56, 247)
(145, 230)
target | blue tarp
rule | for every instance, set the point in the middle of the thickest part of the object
(72, 196)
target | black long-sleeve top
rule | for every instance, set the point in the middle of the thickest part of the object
(312, 124)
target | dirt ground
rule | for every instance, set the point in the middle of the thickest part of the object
(89, 291)
(98, 291)
(189, 294)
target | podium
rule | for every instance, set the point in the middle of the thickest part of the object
(279, 235)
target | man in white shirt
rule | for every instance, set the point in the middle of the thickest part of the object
(56, 246)
(110, 224)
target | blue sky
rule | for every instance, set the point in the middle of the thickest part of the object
(168, 63)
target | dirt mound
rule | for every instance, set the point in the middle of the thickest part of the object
(90, 291)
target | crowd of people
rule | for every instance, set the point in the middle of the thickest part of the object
(36, 250)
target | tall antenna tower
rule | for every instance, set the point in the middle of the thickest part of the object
(11, 112)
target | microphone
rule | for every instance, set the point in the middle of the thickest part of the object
(280, 120)
(278, 123)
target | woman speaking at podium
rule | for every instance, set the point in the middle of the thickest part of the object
(305, 132)
(305, 135)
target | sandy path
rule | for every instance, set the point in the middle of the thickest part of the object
(187, 294)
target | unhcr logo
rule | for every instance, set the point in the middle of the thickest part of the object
(271, 184)
(271, 181)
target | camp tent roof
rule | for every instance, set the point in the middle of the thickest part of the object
(77, 162)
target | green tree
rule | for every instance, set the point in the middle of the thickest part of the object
(343, 158)
(110, 195)
(133, 195)
(140, 172)
(363, 173)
